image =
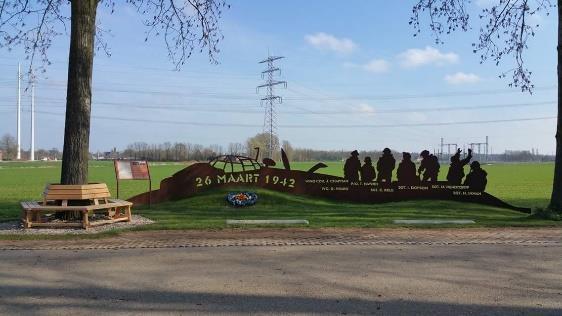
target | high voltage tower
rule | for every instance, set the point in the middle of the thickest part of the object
(18, 117)
(479, 145)
(270, 119)
(478, 153)
(454, 145)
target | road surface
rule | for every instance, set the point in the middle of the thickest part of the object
(339, 279)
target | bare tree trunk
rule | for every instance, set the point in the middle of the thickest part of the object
(79, 92)
(556, 198)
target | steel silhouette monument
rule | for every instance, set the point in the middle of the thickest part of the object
(244, 172)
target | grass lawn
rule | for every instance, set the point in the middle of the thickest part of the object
(526, 185)
(210, 210)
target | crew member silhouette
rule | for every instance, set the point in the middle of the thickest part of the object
(352, 167)
(385, 165)
(429, 166)
(368, 171)
(456, 170)
(477, 178)
(407, 170)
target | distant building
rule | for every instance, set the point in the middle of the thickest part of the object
(107, 155)
(0, 155)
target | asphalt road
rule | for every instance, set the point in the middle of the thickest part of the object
(336, 279)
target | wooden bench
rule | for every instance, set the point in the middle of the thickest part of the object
(95, 192)
(59, 198)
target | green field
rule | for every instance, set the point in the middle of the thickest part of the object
(525, 185)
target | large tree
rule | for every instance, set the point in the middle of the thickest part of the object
(8, 147)
(184, 25)
(506, 28)
(261, 141)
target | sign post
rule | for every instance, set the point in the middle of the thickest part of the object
(132, 170)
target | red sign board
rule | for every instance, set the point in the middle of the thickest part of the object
(132, 170)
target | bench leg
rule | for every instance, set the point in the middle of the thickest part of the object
(128, 213)
(27, 223)
(113, 212)
(23, 218)
(37, 217)
(85, 221)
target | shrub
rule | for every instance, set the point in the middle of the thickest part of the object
(545, 213)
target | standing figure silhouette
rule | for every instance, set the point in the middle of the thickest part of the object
(368, 173)
(477, 178)
(385, 166)
(407, 170)
(352, 167)
(429, 166)
(456, 170)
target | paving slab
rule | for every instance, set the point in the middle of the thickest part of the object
(433, 221)
(267, 222)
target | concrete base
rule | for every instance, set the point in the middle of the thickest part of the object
(434, 221)
(266, 222)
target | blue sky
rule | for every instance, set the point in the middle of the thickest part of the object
(357, 78)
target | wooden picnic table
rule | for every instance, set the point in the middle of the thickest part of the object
(84, 199)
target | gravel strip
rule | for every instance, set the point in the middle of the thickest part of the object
(16, 228)
(229, 237)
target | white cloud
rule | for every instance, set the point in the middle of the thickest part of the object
(462, 78)
(330, 42)
(350, 65)
(417, 117)
(374, 66)
(377, 66)
(366, 109)
(416, 57)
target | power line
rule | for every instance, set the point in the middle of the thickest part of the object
(425, 124)
(139, 68)
(111, 118)
(428, 95)
(233, 108)
(62, 102)
(249, 109)
(389, 97)
(429, 109)
(133, 69)
(314, 126)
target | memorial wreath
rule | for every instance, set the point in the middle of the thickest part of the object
(242, 198)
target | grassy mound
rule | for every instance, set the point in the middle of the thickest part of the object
(211, 210)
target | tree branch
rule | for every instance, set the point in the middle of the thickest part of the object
(185, 27)
(505, 32)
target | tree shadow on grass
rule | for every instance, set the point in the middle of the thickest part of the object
(96, 299)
